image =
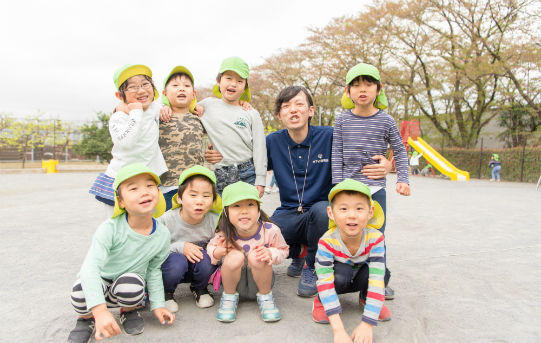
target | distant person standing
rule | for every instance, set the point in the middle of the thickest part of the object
(496, 166)
(414, 162)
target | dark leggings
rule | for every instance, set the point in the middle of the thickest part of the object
(348, 280)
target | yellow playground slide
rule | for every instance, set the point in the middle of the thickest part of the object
(438, 161)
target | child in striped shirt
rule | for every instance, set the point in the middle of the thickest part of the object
(350, 258)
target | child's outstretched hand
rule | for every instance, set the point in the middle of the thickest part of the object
(263, 254)
(106, 325)
(165, 113)
(403, 188)
(192, 252)
(199, 110)
(342, 336)
(362, 333)
(246, 105)
(164, 315)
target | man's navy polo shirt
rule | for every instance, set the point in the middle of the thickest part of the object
(318, 177)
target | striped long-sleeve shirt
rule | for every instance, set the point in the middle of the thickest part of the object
(331, 248)
(356, 139)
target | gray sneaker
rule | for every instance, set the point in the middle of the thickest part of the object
(83, 331)
(132, 322)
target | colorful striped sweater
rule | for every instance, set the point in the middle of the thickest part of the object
(331, 248)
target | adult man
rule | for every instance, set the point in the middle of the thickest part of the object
(300, 155)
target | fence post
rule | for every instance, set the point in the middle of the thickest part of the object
(480, 158)
(522, 162)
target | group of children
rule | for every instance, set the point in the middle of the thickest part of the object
(210, 226)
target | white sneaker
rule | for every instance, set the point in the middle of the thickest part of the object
(203, 299)
(268, 190)
(170, 303)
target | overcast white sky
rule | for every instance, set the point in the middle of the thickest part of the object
(58, 57)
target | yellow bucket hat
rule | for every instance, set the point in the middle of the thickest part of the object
(132, 170)
(198, 170)
(377, 220)
(179, 69)
(369, 70)
(122, 74)
(237, 65)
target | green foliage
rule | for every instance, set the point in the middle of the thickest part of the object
(96, 141)
(518, 121)
(471, 160)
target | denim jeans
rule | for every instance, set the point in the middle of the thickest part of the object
(303, 228)
(496, 173)
(177, 269)
(226, 175)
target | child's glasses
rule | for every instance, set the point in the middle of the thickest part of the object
(133, 88)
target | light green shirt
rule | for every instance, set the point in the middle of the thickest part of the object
(116, 249)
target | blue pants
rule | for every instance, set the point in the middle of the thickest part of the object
(177, 269)
(227, 175)
(303, 228)
(496, 172)
(349, 280)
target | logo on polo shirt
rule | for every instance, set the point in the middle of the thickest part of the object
(321, 159)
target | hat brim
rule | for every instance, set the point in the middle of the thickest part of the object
(246, 95)
(376, 222)
(216, 205)
(380, 102)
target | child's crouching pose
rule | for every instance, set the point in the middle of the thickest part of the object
(249, 245)
(191, 229)
(124, 258)
(350, 258)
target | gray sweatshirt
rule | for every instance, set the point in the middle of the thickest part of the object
(237, 134)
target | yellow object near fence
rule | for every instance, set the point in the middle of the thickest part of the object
(49, 166)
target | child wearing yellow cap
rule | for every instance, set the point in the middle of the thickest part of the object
(247, 245)
(133, 128)
(364, 130)
(351, 258)
(181, 136)
(191, 224)
(124, 258)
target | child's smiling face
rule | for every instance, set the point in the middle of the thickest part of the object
(244, 215)
(138, 195)
(231, 86)
(197, 199)
(139, 89)
(179, 91)
(351, 213)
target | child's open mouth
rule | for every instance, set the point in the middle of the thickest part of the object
(142, 99)
(145, 202)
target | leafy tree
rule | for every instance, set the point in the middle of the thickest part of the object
(519, 121)
(96, 141)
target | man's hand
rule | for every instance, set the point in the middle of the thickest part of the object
(362, 333)
(377, 171)
(403, 188)
(165, 113)
(192, 252)
(106, 325)
(164, 315)
(212, 156)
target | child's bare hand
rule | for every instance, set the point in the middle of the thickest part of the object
(192, 252)
(403, 188)
(212, 156)
(261, 190)
(165, 113)
(122, 107)
(362, 333)
(246, 105)
(164, 316)
(135, 106)
(106, 325)
(263, 254)
(342, 337)
(199, 110)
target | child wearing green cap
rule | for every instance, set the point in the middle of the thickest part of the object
(124, 258)
(133, 128)
(191, 226)
(414, 162)
(247, 245)
(351, 258)
(496, 166)
(363, 130)
(181, 136)
(237, 133)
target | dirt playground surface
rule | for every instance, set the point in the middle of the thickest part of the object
(465, 261)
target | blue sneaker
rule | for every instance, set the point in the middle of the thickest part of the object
(295, 268)
(228, 308)
(269, 311)
(307, 284)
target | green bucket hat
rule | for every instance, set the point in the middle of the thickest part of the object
(122, 74)
(496, 157)
(239, 191)
(377, 220)
(198, 170)
(132, 170)
(368, 70)
(237, 65)
(179, 69)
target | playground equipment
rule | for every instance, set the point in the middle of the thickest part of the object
(438, 161)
